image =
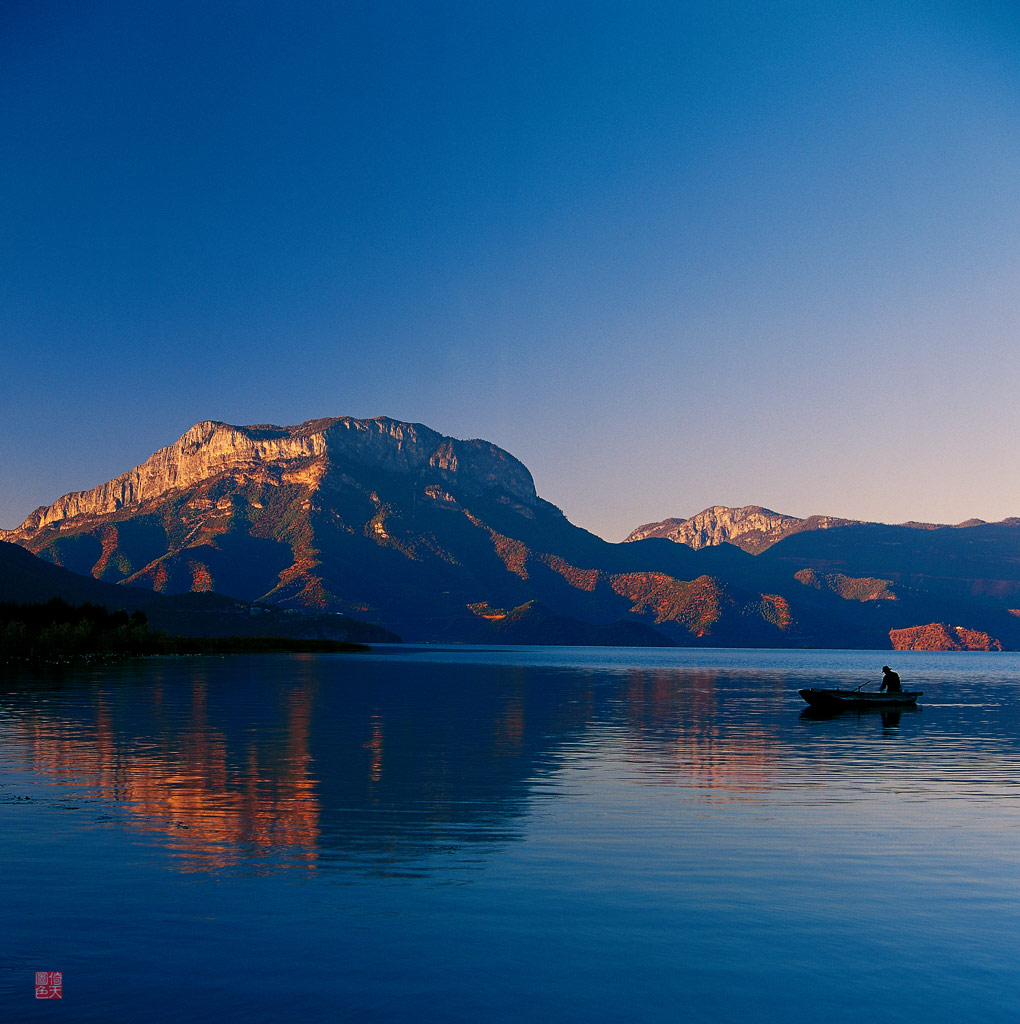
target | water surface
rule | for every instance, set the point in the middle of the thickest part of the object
(468, 834)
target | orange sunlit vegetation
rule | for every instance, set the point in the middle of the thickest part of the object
(940, 636)
(580, 579)
(485, 611)
(513, 553)
(850, 588)
(110, 540)
(201, 577)
(695, 604)
(776, 609)
(160, 576)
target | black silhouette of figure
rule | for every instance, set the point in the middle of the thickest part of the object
(890, 681)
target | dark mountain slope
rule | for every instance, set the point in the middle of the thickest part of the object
(31, 580)
(27, 579)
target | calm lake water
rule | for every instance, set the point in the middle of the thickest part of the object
(537, 834)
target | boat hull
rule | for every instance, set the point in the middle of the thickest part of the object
(856, 700)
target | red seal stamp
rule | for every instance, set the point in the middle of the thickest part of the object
(49, 984)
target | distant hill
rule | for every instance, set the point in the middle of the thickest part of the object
(755, 529)
(752, 528)
(28, 579)
(435, 538)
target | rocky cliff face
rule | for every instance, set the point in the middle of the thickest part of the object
(287, 455)
(207, 450)
(752, 527)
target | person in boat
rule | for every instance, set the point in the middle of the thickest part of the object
(890, 681)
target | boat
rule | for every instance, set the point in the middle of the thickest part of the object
(859, 700)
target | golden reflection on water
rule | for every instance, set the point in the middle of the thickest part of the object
(175, 758)
(212, 811)
(680, 735)
(510, 727)
(375, 746)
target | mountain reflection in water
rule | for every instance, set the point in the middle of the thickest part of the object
(215, 795)
(382, 762)
(294, 762)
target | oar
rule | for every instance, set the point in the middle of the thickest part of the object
(865, 683)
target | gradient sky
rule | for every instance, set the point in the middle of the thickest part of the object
(670, 255)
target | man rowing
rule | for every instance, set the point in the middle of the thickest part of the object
(890, 681)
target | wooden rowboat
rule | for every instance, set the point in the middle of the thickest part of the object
(859, 700)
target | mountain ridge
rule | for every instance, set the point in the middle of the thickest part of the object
(212, 447)
(754, 528)
(434, 538)
(750, 527)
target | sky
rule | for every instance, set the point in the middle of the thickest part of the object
(670, 255)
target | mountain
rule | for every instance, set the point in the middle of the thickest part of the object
(440, 539)
(386, 521)
(752, 528)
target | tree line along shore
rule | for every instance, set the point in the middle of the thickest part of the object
(59, 632)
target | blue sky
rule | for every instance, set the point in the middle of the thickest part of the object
(670, 255)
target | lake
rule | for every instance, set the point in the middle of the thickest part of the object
(510, 834)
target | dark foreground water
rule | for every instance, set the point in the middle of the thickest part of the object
(530, 834)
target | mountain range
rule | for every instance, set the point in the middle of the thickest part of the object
(751, 528)
(438, 539)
